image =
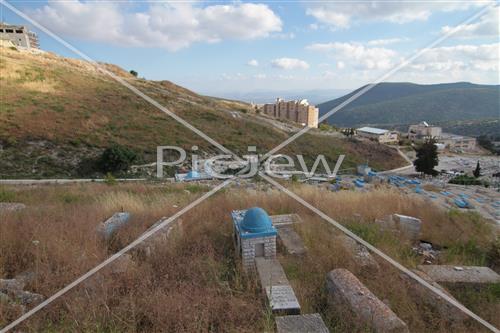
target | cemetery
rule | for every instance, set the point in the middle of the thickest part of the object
(246, 260)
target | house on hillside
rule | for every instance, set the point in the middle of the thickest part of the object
(378, 134)
(19, 36)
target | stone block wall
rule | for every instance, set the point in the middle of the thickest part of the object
(248, 249)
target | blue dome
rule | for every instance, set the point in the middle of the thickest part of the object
(193, 174)
(256, 220)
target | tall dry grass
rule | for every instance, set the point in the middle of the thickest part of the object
(194, 282)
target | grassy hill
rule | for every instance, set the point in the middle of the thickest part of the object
(406, 103)
(56, 112)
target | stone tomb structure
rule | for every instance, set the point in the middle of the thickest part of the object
(254, 235)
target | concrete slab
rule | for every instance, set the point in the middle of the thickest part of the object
(285, 219)
(270, 272)
(279, 293)
(308, 323)
(460, 274)
(347, 292)
(282, 299)
(447, 311)
(291, 240)
(407, 226)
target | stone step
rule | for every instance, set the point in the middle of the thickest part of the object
(308, 323)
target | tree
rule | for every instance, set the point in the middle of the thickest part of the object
(477, 171)
(134, 73)
(116, 158)
(427, 157)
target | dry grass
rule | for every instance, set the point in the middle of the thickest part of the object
(194, 283)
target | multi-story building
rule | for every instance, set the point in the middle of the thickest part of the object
(297, 111)
(423, 131)
(457, 142)
(19, 35)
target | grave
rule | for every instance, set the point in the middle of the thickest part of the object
(359, 253)
(473, 275)
(111, 225)
(447, 311)
(310, 323)
(254, 235)
(408, 226)
(289, 238)
(345, 291)
(273, 280)
(11, 206)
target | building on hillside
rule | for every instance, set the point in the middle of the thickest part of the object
(297, 111)
(378, 134)
(457, 142)
(423, 131)
(19, 35)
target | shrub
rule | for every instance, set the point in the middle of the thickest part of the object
(116, 159)
(109, 179)
(6, 195)
(466, 180)
(134, 73)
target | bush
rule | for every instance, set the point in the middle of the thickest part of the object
(109, 179)
(467, 180)
(134, 73)
(116, 159)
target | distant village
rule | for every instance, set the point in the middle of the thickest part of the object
(305, 114)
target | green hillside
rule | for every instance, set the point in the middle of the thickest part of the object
(407, 103)
(56, 112)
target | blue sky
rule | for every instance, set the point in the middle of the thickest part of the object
(241, 46)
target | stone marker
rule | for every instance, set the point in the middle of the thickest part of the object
(9, 285)
(447, 311)
(273, 280)
(28, 298)
(308, 323)
(282, 299)
(111, 225)
(11, 206)
(409, 227)
(347, 292)
(360, 253)
(291, 240)
(459, 274)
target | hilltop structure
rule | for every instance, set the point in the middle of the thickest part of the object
(298, 111)
(423, 131)
(19, 36)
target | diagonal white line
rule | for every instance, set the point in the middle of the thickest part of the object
(115, 256)
(117, 78)
(381, 254)
(370, 86)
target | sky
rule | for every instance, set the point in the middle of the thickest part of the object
(214, 47)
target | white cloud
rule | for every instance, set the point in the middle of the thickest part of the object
(388, 41)
(487, 26)
(289, 63)
(172, 26)
(340, 15)
(260, 76)
(253, 63)
(483, 57)
(358, 55)
(340, 64)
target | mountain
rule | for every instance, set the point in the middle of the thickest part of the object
(407, 103)
(56, 113)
